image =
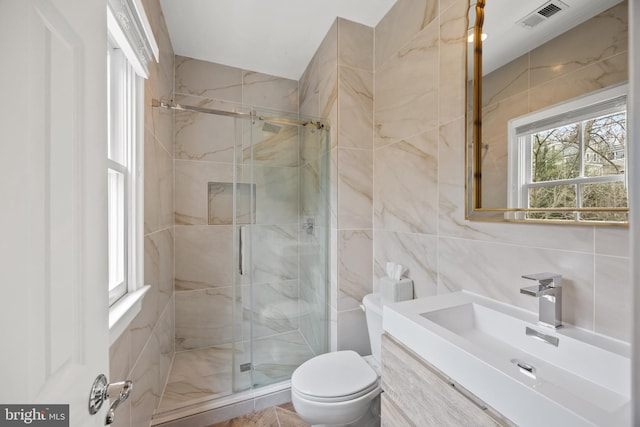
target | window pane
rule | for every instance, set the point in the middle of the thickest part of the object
(551, 216)
(117, 104)
(553, 196)
(605, 139)
(606, 194)
(116, 228)
(555, 154)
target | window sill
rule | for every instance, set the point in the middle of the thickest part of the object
(122, 313)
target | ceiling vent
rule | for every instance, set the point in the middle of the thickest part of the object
(542, 13)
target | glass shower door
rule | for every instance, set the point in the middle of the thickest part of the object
(281, 284)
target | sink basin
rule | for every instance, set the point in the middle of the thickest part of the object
(481, 343)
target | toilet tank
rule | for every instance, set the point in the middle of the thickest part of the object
(373, 313)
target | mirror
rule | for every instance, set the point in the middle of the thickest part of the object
(546, 111)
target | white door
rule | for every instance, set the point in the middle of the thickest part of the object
(53, 299)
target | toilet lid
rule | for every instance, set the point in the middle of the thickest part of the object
(330, 375)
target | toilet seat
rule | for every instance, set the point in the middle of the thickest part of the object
(334, 377)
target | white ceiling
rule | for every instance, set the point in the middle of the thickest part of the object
(277, 37)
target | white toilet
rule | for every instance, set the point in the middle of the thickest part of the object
(339, 388)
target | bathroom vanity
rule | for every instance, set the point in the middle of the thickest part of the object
(416, 393)
(464, 359)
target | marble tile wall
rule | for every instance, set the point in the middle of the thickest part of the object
(144, 352)
(206, 147)
(419, 208)
(338, 85)
(590, 56)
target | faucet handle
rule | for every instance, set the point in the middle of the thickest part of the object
(545, 279)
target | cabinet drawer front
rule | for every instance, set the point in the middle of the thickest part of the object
(422, 394)
(391, 415)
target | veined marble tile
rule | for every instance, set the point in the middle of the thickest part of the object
(158, 122)
(355, 45)
(333, 269)
(451, 183)
(355, 188)
(356, 267)
(495, 270)
(200, 136)
(158, 264)
(272, 308)
(141, 327)
(314, 323)
(119, 358)
(147, 390)
(207, 79)
(405, 19)
(417, 252)
(453, 43)
(593, 77)
(327, 55)
(161, 72)
(158, 186)
(314, 196)
(601, 37)
(352, 332)
(265, 91)
(446, 4)
(203, 257)
(407, 89)
(314, 145)
(274, 145)
(275, 253)
(221, 203)
(308, 89)
(612, 241)
(505, 82)
(192, 180)
(165, 335)
(277, 193)
(495, 156)
(613, 297)
(198, 374)
(355, 108)
(203, 318)
(333, 188)
(276, 357)
(406, 187)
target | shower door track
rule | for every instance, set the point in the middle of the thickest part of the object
(163, 103)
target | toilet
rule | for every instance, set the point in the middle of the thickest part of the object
(341, 388)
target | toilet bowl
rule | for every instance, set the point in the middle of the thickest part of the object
(339, 388)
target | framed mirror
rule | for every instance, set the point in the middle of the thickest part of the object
(546, 111)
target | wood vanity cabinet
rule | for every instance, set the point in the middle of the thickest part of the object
(417, 394)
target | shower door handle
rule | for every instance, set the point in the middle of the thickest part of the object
(241, 250)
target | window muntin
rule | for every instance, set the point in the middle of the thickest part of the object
(571, 156)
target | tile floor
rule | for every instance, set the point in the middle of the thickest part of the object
(204, 374)
(278, 416)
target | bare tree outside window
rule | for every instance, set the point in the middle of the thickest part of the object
(580, 165)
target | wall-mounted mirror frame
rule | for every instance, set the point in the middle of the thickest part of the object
(475, 148)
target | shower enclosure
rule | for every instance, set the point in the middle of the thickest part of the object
(251, 252)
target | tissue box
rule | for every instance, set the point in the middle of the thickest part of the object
(395, 290)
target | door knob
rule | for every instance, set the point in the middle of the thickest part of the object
(102, 390)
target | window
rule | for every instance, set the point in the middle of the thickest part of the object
(131, 47)
(122, 172)
(126, 68)
(572, 155)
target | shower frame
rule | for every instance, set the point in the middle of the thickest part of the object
(254, 117)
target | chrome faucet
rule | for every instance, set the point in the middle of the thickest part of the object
(549, 293)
